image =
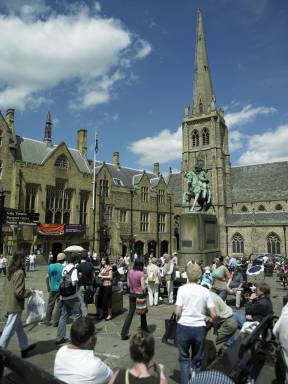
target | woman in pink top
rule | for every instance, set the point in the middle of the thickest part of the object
(135, 281)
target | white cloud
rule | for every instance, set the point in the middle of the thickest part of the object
(267, 147)
(247, 115)
(235, 140)
(41, 53)
(98, 7)
(165, 147)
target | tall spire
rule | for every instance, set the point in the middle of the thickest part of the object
(48, 130)
(202, 90)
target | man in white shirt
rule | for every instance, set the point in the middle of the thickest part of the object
(169, 277)
(71, 304)
(3, 265)
(76, 363)
(32, 261)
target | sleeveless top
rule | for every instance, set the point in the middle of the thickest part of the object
(120, 378)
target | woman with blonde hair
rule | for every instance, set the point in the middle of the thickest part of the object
(192, 303)
(142, 348)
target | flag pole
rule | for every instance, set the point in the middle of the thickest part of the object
(94, 191)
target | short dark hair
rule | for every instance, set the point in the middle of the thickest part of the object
(107, 261)
(81, 331)
(264, 288)
(138, 265)
(142, 347)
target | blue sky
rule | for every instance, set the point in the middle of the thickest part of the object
(125, 68)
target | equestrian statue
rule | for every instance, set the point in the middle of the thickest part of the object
(198, 189)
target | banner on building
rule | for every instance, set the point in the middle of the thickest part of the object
(51, 229)
(74, 228)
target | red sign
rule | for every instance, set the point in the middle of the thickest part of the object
(51, 229)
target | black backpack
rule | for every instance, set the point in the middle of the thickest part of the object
(66, 287)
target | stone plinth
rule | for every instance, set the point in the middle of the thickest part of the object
(199, 239)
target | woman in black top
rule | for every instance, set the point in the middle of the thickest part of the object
(260, 305)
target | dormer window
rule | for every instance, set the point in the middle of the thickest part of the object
(62, 162)
(118, 181)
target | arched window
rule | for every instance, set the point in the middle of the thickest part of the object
(205, 136)
(201, 110)
(195, 138)
(62, 162)
(279, 207)
(244, 209)
(66, 218)
(237, 243)
(273, 243)
(58, 217)
(261, 208)
(48, 217)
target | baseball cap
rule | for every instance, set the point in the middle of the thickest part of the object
(61, 256)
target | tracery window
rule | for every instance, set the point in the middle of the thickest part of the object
(205, 136)
(195, 138)
(261, 208)
(237, 243)
(62, 162)
(279, 207)
(30, 200)
(273, 243)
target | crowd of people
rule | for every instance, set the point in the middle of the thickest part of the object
(199, 305)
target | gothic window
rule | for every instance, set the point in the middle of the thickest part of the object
(273, 243)
(261, 208)
(58, 217)
(62, 162)
(66, 218)
(161, 196)
(279, 207)
(84, 195)
(103, 188)
(67, 199)
(123, 216)
(49, 217)
(205, 136)
(201, 107)
(195, 138)
(161, 222)
(1, 169)
(144, 221)
(237, 243)
(109, 212)
(1, 137)
(31, 192)
(144, 194)
(244, 209)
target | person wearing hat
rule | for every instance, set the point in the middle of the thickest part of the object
(54, 276)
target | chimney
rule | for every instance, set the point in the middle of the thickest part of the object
(156, 169)
(116, 159)
(82, 142)
(48, 130)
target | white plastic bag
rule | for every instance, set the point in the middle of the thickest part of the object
(35, 307)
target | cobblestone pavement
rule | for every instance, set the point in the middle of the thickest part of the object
(109, 346)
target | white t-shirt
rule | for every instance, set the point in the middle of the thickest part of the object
(32, 258)
(80, 366)
(74, 278)
(194, 300)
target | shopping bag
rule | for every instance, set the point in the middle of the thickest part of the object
(36, 309)
(170, 329)
(141, 303)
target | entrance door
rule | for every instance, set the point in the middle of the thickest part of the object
(152, 247)
(164, 247)
(56, 248)
(138, 248)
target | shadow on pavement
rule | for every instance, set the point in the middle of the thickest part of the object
(43, 347)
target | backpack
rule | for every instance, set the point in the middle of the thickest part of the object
(66, 287)
(151, 275)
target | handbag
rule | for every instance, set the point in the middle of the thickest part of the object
(170, 329)
(141, 303)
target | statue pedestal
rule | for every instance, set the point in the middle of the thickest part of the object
(198, 238)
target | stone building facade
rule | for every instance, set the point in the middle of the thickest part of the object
(138, 211)
(133, 209)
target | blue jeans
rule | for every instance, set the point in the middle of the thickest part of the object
(14, 324)
(189, 337)
(70, 308)
(240, 317)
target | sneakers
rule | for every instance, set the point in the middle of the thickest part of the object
(25, 352)
(62, 341)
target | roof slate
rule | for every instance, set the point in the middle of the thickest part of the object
(260, 182)
(175, 187)
(259, 218)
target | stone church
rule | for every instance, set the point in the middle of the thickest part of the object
(115, 209)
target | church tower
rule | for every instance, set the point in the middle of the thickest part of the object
(205, 136)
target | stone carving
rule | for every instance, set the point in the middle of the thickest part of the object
(198, 188)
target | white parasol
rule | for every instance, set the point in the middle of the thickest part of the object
(74, 248)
